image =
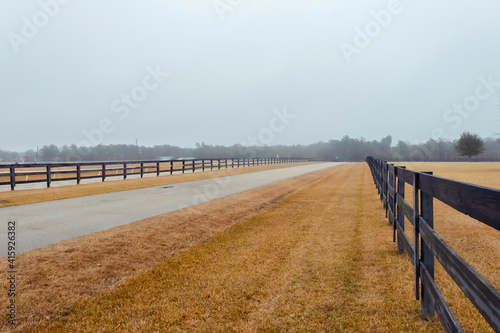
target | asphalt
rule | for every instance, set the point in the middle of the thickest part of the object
(41, 224)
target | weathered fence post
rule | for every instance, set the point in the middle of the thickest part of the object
(183, 165)
(390, 202)
(211, 165)
(78, 173)
(171, 167)
(384, 186)
(49, 180)
(379, 179)
(103, 170)
(416, 232)
(12, 177)
(427, 257)
(142, 169)
(157, 169)
(400, 214)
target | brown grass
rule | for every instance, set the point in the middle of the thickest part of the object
(51, 279)
(310, 254)
(23, 197)
(317, 260)
(477, 243)
(480, 173)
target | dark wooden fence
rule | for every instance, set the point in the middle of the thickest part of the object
(26, 173)
(478, 202)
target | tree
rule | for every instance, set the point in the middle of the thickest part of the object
(49, 153)
(469, 145)
(29, 156)
(403, 150)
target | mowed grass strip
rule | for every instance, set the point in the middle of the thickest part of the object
(319, 260)
(54, 277)
(23, 197)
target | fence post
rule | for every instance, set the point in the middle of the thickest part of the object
(379, 179)
(194, 165)
(391, 182)
(386, 200)
(78, 173)
(211, 165)
(124, 170)
(142, 169)
(48, 175)
(427, 257)
(183, 165)
(400, 214)
(104, 171)
(171, 167)
(416, 232)
(12, 177)
(157, 169)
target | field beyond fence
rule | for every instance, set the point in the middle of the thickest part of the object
(480, 203)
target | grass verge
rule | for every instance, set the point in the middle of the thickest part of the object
(319, 259)
(52, 278)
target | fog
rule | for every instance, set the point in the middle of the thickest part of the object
(251, 72)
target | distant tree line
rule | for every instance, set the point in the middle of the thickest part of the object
(345, 149)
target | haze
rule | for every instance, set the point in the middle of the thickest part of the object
(284, 72)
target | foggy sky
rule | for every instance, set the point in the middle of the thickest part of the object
(238, 71)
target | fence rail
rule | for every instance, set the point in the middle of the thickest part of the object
(27, 173)
(478, 202)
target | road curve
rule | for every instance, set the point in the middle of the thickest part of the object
(45, 223)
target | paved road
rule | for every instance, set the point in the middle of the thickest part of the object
(45, 223)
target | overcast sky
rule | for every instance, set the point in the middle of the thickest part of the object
(283, 72)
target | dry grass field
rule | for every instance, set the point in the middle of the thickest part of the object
(477, 243)
(309, 254)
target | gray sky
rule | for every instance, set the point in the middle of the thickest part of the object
(284, 72)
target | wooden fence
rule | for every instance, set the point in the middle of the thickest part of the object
(478, 202)
(26, 173)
